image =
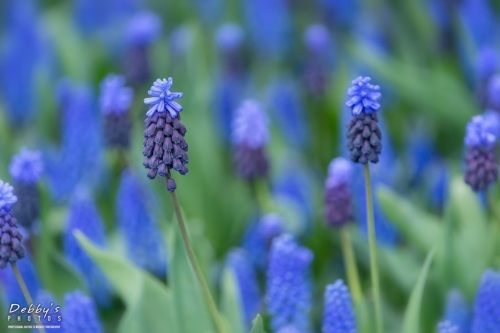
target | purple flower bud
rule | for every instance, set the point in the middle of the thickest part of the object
(338, 209)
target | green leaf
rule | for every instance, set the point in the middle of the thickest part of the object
(231, 303)
(411, 321)
(150, 306)
(422, 229)
(258, 326)
(187, 293)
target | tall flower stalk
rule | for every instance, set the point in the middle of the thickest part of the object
(12, 249)
(365, 144)
(165, 150)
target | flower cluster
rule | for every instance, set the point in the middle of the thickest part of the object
(288, 286)
(363, 133)
(80, 314)
(457, 311)
(481, 167)
(487, 304)
(164, 144)
(11, 248)
(250, 134)
(338, 314)
(338, 209)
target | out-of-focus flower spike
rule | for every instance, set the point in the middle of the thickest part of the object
(242, 267)
(457, 312)
(487, 304)
(477, 18)
(288, 284)
(447, 327)
(337, 199)
(250, 135)
(338, 314)
(319, 61)
(142, 237)
(79, 314)
(84, 216)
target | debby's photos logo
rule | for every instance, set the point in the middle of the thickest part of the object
(34, 313)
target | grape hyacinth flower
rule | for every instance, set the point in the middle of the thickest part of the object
(143, 29)
(84, 216)
(26, 168)
(229, 39)
(363, 134)
(487, 304)
(142, 237)
(115, 102)
(457, 311)
(259, 237)
(288, 284)
(164, 145)
(250, 135)
(48, 301)
(289, 329)
(338, 316)
(11, 248)
(317, 39)
(481, 168)
(239, 262)
(493, 93)
(79, 314)
(227, 95)
(338, 208)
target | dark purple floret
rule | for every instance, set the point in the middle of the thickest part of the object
(251, 163)
(27, 209)
(338, 210)
(117, 129)
(137, 64)
(11, 248)
(364, 138)
(165, 148)
(481, 168)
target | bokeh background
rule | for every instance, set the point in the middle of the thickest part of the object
(433, 59)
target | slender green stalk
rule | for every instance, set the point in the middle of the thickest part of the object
(26, 293)
(372, 240)
(350, 262)
(263, 195)
(196, 267)
(491, 207)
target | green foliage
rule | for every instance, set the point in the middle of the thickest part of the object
(258, 326)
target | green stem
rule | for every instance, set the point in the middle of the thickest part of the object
(491, 207)
(194, 263)
(263, 195)
(372, 240)
(350, 262)
(26, 293)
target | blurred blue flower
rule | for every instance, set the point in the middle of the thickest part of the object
(11, 289)
(259, 236)
(142, 236)
(286, 106)
(317, 39)
(84, 216)
(79, 156)
(479, 133)
(229, 37)
(17, 65)
(269, 24)
(363, 96)
(143, 28)
(493, 92)
(340, 12)
(339, 172)
(181, 40)
(457, 311)
(115, 97)
(487, 304)
(91, 15)
(163, 99)
(420, 153)
(289, 294)
(27, 166)
(7, 197)
(447, 327)
(79, 314)
(48, 301)
(437, 183)
(250, 125)
(477, 17)
(209, 11)
(289, 329)
(338, 315)
(227, 96)
(239, 262)
(337, 208)
(487, 62)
